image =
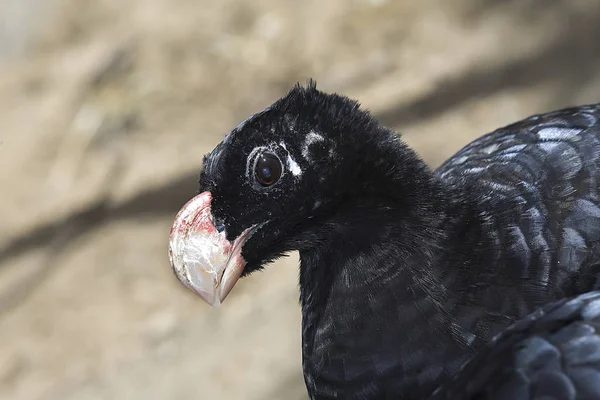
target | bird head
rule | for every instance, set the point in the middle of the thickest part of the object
(271, 180)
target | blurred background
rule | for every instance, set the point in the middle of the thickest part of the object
(106, 108)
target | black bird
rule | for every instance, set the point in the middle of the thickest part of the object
(553, 353)
(405, 272)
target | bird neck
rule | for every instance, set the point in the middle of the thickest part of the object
(376, 262)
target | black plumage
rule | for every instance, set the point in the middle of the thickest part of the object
(553, 353)
(406, 272)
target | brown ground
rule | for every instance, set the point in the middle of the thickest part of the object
(106, 107)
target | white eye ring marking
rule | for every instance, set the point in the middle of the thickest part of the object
(291, 163)
(311, 138)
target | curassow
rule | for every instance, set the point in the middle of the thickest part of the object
(405, 272)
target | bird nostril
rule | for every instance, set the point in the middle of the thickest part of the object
(218, 223)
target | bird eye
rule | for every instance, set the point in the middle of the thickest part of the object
(267, 169)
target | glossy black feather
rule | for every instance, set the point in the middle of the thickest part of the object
(553, 353)
(535, 188)
(406, 272)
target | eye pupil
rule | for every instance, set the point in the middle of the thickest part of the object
(266, 172)
(268, 169)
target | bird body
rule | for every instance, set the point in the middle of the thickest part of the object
(405, 272)
(554, 353)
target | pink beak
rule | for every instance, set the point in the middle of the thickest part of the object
(202, 258)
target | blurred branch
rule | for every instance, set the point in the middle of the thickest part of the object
(164, 200)
(102, 112)
(56, 240)
(103, 115)
(570, 61)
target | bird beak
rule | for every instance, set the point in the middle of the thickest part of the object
(202, 258)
